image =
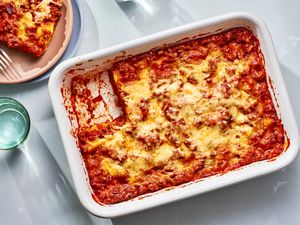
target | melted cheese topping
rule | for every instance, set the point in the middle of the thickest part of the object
(137, 91)
(41, 12)
(155, 137)
(199, 118)
(25, 22)
(112, 167)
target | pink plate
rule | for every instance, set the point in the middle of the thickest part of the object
(25, 67)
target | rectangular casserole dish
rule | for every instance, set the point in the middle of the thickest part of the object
(104, 58)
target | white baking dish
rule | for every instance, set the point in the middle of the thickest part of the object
(100, 58)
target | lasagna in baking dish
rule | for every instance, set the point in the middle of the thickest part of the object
(28, 25)
(190, 111)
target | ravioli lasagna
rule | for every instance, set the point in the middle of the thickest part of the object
(190, 111)
(28, 25)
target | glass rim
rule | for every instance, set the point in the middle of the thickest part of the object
(25, 113)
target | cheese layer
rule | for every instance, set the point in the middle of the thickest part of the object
(191, 111)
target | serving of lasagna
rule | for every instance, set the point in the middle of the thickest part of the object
(28, 25)
(190, 111)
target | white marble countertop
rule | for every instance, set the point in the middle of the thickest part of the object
(35, 185)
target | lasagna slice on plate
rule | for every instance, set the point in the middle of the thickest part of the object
(29, 25)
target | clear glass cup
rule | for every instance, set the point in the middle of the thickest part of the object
(14, 123)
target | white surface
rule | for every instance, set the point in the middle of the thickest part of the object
(138, 46)
(269, 200)
(112, 24)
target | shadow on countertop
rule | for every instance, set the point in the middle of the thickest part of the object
(46, 201)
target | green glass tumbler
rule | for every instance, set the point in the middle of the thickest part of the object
(14, 123)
